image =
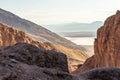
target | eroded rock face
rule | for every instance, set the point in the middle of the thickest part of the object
(106, 46)
(10, 36)
(27, 62)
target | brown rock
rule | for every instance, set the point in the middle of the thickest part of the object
(89, 64)
(10, 36)
(106, 46)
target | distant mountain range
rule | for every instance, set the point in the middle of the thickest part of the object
(76, 29)
(78, 34)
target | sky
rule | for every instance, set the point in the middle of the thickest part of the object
(46, 12)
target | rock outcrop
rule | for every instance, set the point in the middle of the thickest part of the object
(24, 61)
(10, 36)
(106, 46)
(32, 55)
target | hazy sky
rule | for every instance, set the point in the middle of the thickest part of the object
(61, 11)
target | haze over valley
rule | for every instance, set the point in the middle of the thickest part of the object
(79, 33)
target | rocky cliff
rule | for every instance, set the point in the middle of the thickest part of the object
(10, 36)
(106, 46)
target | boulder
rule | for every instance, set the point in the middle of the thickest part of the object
(24, 61)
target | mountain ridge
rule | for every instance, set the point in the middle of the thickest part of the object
(75, 27)
(75, 55)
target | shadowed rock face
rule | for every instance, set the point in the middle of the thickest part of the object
(32, 55)
(106, 46)
(23, 61)
(101, 74)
